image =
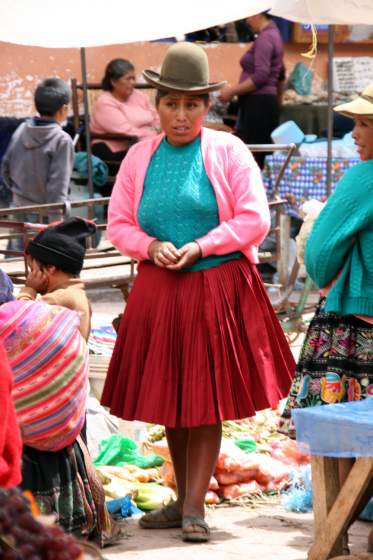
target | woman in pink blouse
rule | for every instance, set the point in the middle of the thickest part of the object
(121, 109)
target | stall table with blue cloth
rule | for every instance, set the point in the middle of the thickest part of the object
(331, 432)
(304, 178)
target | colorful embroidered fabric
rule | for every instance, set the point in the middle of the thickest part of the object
(335, 365)
(49, 360)
(304, 179)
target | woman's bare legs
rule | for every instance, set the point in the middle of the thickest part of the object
(194, 453)
(177, 439)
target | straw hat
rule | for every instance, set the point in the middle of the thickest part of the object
(185, 69)
(361, 106)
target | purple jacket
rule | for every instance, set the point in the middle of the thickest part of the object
(263, 62)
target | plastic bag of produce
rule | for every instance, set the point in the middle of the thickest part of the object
(288, 452)
(248, 445)
(123, 507)
(236, 477)
(231, 458)
(299, 495)
(119, 450)
(153, 496)
(234, 491)
(270, 469)
(161, 448)
(131, 473)
(168, 475)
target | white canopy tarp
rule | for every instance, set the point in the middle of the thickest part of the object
(345, 12)
(85, 23)
(88, 23)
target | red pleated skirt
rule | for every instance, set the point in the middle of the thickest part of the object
(196, 348)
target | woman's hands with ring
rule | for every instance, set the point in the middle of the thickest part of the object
(163, 253)
(190, 253)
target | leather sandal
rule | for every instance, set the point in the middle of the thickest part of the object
(202, 535)
(168, 517)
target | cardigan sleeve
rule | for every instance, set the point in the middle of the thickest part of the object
(348, 211)
(251, 219)
(123, 229)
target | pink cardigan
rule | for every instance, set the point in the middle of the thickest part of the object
(236, 178)
(135, 117)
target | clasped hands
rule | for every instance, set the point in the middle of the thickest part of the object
(165, 254)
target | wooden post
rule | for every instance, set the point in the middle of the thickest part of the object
(325, 489)
(283, 261)
(333, 511)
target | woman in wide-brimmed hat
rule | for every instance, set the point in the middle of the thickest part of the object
(199, 341)
(336, 362)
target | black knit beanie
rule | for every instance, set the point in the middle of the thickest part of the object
(63, 244)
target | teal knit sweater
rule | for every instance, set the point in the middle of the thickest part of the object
(341, 241)
(178, 203)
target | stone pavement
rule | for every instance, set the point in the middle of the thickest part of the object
(265, 533)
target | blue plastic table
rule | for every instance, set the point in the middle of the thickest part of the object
(331, 432)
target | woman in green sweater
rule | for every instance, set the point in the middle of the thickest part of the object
(336, 361)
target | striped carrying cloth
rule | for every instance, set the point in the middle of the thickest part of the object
(49, 360)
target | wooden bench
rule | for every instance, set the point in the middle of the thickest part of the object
(108, 268)
(104, 267)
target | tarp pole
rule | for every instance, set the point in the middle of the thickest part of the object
(330, 110)
(86, 121)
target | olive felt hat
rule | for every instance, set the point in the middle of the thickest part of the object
(362, 106)
(185, 69)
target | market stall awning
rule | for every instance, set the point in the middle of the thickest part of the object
(87, 23)
(348, 12)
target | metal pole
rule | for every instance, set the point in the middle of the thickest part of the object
(330, 110)
(86, 122)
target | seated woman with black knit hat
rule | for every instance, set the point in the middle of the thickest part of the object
(55, 257)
